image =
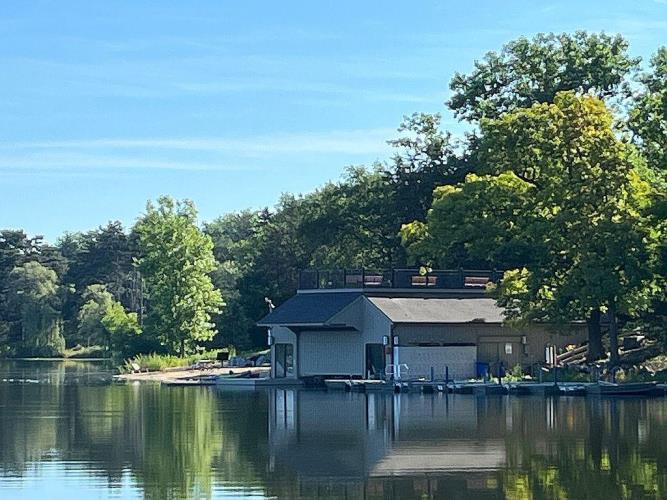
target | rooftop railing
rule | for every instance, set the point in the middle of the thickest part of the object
(314, 279)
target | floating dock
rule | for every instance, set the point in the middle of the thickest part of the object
(430, 387)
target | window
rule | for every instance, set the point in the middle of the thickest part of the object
(284, 360)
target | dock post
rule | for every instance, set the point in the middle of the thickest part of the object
(446, 374)
(432, 374)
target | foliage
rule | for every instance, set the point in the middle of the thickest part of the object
(425, 158)
(34, 293)
(562, 206)
(90, 327)
(478, 224)
(515, 374)
(176, 260)
(534, 71)
(648, 117)
(124, 332)
(16, 249)
(102, 256)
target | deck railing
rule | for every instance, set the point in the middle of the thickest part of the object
(314, 279)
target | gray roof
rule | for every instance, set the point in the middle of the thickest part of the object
(309, 309)
(439, 310)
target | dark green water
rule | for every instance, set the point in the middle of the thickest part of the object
(66, 432)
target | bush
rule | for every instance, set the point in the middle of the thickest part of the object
(515, 374)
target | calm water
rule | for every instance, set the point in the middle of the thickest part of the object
(66, 432)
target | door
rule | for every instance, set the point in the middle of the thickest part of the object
(335, 353)
(506, 351)
(375, 361)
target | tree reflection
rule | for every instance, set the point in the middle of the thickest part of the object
(615, 449)
(173, 442)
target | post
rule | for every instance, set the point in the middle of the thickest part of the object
(613, 335)
(397, 361)
(446, 374)
(556, 375)
(432, 374)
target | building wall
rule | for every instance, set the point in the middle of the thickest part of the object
(330, 353)
(458, 362)
(375, 324)
(492, 340)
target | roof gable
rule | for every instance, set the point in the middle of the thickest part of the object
(309, 309)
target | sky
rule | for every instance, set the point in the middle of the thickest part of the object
(105, 105)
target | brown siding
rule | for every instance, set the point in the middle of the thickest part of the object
(491, 339)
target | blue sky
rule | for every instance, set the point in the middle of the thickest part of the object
(108, 104)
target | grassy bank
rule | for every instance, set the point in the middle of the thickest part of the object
(158, 362)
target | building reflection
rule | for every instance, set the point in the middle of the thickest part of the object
(372, 444)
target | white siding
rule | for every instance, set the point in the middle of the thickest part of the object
(330, 353)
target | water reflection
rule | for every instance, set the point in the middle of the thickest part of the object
(412, 446)
(62, 434)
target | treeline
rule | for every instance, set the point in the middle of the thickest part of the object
(561, 182)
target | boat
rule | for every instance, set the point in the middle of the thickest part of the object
(572, 390)
(489, 390)
(209, 380)
(630, 389)
(533, 388)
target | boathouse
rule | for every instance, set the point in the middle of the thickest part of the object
(402, 323)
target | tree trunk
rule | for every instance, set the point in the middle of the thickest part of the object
(182, 348)
(594, 336)
(613, 335)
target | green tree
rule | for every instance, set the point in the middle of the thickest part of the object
(176, 260)
(599, 251)
(563, 206)
(102, 256)
(124, 332)
(480, 223)
(648, 117)
(16, 248)
(534, 71)
(34, 293)
(234, 246)
(91, 330)
(361, 229)
(425, 158)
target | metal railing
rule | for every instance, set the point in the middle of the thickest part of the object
(314, 279)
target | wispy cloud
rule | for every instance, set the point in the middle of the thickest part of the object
(193, 153)
(52, 162)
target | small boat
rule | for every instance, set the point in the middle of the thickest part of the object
(190, 381)
(534, 388)
(572, 390)
(631, 389)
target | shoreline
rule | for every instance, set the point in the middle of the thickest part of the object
(181, 373)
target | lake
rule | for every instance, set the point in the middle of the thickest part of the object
(66, 431)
